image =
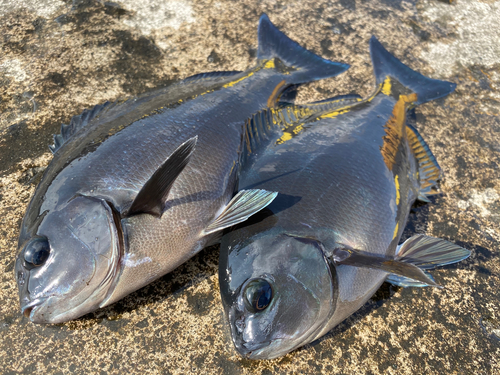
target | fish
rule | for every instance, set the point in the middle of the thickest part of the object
(137, 187)
(347, 171)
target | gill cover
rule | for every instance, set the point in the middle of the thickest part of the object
(79, 265)
(278, 291)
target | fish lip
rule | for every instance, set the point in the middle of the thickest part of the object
(30, 308)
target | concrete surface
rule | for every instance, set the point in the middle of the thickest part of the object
(59, 57)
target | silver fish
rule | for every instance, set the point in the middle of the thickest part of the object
(137, 188)
(347, 171)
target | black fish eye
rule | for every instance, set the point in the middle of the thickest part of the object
(258, 294)
(37, 252)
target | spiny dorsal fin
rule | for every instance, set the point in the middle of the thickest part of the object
(76, 123)
(241, 207)
(428, 168)
(153, 195)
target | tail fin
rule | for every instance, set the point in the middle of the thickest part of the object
(388, 68)
(426, 253)
(303, 66)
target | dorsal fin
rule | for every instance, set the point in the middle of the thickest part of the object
(153, 195)
(77, 123)
(428, 168)
(289, 120)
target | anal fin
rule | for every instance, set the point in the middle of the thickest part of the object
(241, 207)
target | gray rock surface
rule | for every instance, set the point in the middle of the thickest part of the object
(59, 57)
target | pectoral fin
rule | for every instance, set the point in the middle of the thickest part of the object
(415, 255)
(359, 258)
(153, 195)
(241, 207)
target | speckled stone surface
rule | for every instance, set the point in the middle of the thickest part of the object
(59, 57)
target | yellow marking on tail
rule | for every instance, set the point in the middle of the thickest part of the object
(269, 64)
(387, 86)
(398, 194)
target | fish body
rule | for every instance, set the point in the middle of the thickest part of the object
(347, 172)
(137, 188)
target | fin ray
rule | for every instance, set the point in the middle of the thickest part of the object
(241, 207)
(77, 122)
(430, 172)
(406, 282)
(429, 252)
(398, 267)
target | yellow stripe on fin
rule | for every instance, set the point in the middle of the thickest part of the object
(398, 194)
(395, 231)
(285, 137)
(429, 172)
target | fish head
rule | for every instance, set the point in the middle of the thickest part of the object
(65, 269)
(278, 292)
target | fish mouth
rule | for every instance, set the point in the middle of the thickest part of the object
(30, 308)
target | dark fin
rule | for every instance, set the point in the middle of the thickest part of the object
(269, 124)
(348, 97)
(153, 195)
(428, 252)
(389, 71)
(406, 282)
(358, 258)
(210, 76)
(428, 168)
(301, 65)
(76, 123)
(241, 207)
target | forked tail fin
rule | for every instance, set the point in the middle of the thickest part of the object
(300, 65)
(389, 71)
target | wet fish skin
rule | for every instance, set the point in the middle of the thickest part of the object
(347, 175)
(85, 211)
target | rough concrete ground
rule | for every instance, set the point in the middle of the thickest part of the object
(59, 57)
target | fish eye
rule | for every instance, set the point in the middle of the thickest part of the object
(258, 294)
(37, 252)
